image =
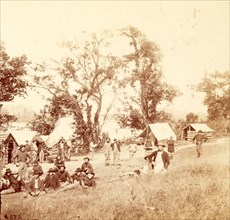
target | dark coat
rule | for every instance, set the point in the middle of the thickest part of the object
(52, 181)
(87, 167)
(118, 146)
(165, 158)
(31, 185)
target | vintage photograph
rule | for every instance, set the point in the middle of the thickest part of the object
(114, 110)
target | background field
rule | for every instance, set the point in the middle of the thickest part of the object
(191, 189)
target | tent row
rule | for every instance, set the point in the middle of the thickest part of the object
(157, 132)
(161, 132)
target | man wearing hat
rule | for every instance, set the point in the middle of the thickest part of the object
(15, 182)
(199, 139)
(159, 159)
(51, 181)
(77, 179)
(116, 149)
(86, 166)
(35, 186)
(89, 180)
(36, 169)
(63, 176)
(107, 151)
(22, 158)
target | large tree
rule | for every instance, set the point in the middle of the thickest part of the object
(86, 75)
(12, 83)
(217, 91)
(144, 74)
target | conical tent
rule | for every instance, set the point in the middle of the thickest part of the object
(63, 129)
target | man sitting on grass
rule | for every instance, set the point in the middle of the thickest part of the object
(59, 162)
(159, 159)
(51, 181)
(77, 179)
(15, 182)
(36, 185)
(88, 180)
(86, 166)
(63, 176)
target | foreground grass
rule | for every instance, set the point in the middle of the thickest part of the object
(191, 189)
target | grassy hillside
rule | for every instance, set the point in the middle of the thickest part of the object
(191, 189)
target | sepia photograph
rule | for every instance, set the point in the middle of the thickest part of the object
(114, 110)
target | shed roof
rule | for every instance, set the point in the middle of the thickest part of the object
(200, 126)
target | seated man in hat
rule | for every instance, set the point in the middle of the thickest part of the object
(63, 176)
(15, 182)
(36, 169)
(59, 162)
(77, 179)
(51, 181)
(88, 180)
(86, 166)
(35, 186)
(159, 159)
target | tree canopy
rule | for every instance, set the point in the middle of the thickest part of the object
(12, 83)
(216, 89)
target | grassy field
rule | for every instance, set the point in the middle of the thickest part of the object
(191, 189)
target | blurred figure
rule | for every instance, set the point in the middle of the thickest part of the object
(171, 146)
(89, 180)
(21, 159)
(199, 139)
(34, 151)
(116, 149)
(67, 152)
(36, 169)
(63, 176)
(14, 182)
(107, 151)
(2, 155)
(51, 181)
(132, 148)
(86, 166)
(35, 185)
(92, 147)
(159, 159)
(59, 162)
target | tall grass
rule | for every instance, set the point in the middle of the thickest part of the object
(191, 189)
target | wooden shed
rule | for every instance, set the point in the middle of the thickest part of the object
(13, 140)
(191, 130)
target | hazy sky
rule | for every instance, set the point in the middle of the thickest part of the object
(193, 35)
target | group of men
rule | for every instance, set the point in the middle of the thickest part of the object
(112, 148)
(159, 160)
(57, 178)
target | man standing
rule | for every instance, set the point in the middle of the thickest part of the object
(21, 159)
(199, 139)
(116, 149)
(107, 151)
(159, 159)
(2, 156)
(171, 145)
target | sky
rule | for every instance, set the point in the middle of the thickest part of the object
(193, 36)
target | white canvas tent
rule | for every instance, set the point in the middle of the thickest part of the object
(64, 128)
(158, 132)
(22, 136)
